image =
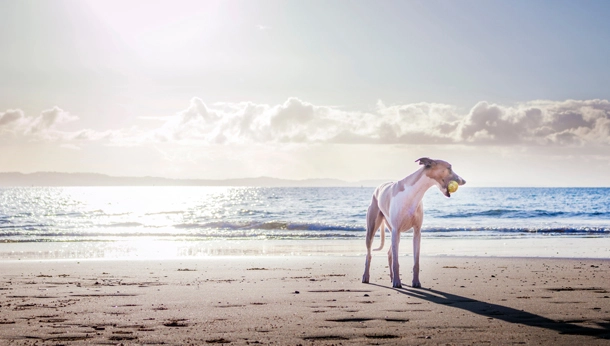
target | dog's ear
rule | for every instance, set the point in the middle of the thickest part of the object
(426, 162)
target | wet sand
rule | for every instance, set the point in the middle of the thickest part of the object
(304, 300)
(546, 247)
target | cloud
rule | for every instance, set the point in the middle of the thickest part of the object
(10, 116)
(535, 123)
(297, 121)
(16, 123)
(49, 118)
(569, 122)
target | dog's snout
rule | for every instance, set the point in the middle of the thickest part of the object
(459, 179)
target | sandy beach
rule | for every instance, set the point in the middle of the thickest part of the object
(304, 300)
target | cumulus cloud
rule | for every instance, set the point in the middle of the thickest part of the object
(10, 116)
(570, 122)
(49, 118)
(296, 121)
(42, 126)
(539, 123)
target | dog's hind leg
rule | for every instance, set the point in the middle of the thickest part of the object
(374, 218)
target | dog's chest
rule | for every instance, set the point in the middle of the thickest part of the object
(405, 203)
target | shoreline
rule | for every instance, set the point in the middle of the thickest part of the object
(149, 249)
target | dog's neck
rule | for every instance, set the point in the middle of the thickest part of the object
(418, 183)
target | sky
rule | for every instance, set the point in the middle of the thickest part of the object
(511, 93)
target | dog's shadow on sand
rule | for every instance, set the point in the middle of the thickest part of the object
(504, 313)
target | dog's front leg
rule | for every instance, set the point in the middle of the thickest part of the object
(416, 249)
(395, 273)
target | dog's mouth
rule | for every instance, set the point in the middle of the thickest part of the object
(457, 179)
(445, 191)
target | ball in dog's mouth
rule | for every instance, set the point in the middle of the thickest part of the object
(453, 186)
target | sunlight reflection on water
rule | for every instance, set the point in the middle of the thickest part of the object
(40, 214)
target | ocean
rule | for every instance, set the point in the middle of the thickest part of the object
(110, 214)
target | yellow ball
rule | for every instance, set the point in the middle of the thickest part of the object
(453, 186)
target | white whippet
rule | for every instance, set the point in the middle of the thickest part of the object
(398, 207)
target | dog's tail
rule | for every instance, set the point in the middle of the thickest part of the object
(374, 219)
(382, 235)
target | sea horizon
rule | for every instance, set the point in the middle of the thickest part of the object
(84, 179)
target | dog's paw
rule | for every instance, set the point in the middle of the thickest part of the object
(365, 279)
(416, 284)
(397, 284)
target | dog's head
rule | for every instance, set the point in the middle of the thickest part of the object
(441, 172)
